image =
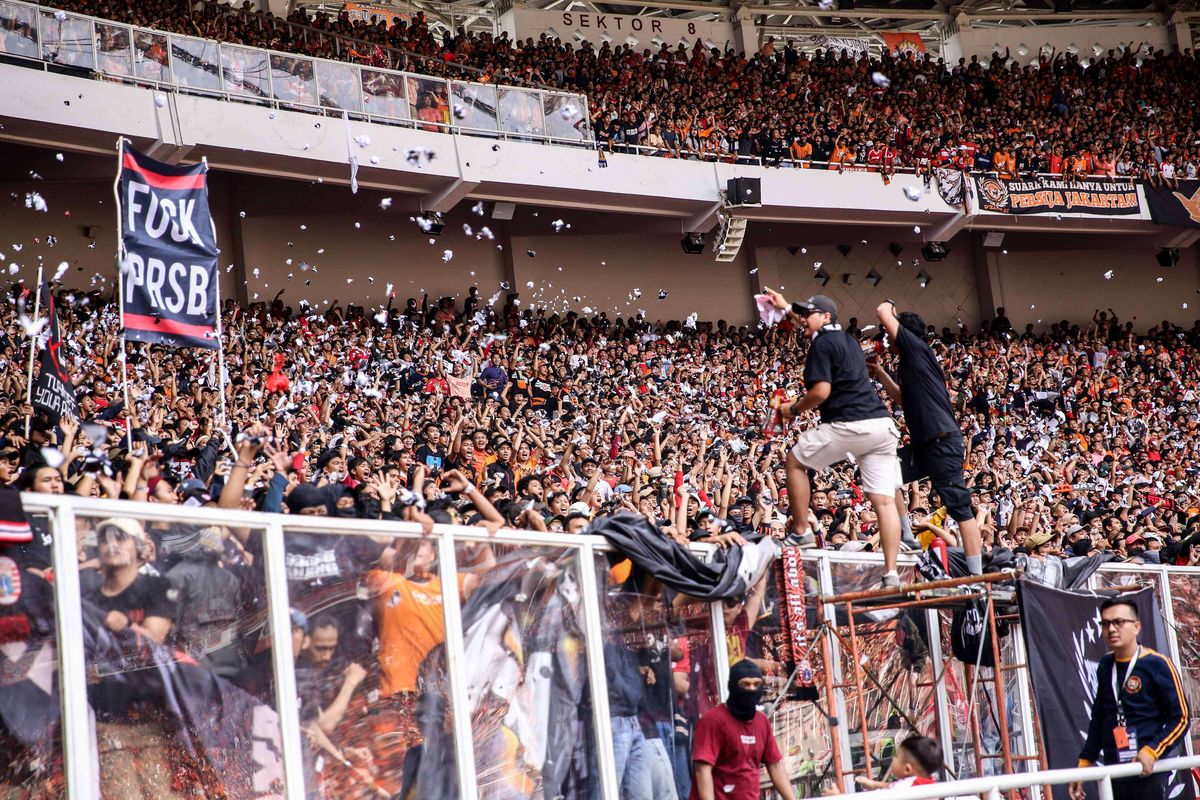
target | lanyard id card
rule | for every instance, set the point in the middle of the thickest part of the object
(1124, 737)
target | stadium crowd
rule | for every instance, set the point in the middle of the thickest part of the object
(1128, 113)
(1081, 442)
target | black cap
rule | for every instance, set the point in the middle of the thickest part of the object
(818, 302)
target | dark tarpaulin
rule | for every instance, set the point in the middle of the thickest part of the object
(670, 562)
(567, 770)
(1064, 642)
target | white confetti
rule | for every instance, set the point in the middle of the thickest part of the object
(568, 112)
(816, 265)
(160, 100)
(912, 193)
(558, 225)
(363, 141)
(478, 208)
(58, 156)
(357, 225)
(1158, 280)
(529, 284)
(389, 289)
(1108, 276)
(385, 203)
(881, 79)
(35, 201)
(61, 16)
(62, 268)
(916, 228)
(447, 255)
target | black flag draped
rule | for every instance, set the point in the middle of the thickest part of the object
(53, 393)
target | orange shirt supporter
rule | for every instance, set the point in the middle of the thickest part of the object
(802, 152)
(840, 154)
(409, 616)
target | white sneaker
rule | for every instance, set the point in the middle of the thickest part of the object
(891, 580)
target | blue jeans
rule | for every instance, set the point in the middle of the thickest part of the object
(629, 749)
(680, 763)
(662, 778)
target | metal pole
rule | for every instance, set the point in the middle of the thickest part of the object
(933, 621)
(456, 666)
(860, 693)
(998, 682)
(1105, 787)
(37, 305)
(1029, 732)
(716, 614)
(129, 409)
(598, 684)
(282, 659)
(77, 744)
(973, 719)
(840, 752)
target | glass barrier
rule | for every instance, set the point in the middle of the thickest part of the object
(429, 97)
(150, 59)
(338, 86)
(474, 106)
(244, 71)
(526, 674)
(67, 39)
(566, 116)
(18, 30)
(293, 79)
(371, 664)
(177, 653)
(31, 757)
(1185, 602)
(520, 111)
(383, 94)
(801, 730)
(113, 53)
(195, 63)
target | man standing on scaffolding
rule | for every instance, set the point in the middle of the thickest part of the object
(936, 441)
(854, 422)
(1140, 711)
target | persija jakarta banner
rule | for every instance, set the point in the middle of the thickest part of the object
(169, 253)
(1179, 206)
(1036, 196)
(1064, 643)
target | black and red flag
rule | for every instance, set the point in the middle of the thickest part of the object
(168, 252)
(54, 393)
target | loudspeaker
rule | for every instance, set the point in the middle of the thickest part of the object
(743, 192)
(935, 251)
(993, 239)
(1167, 257)
(692, 244)
(504, 210)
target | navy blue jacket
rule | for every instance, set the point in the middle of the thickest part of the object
(1155, 707)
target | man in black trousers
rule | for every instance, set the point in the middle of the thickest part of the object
(936, 443)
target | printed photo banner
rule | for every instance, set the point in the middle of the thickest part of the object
(1178, 206)
(168, 253)
(1096, 198)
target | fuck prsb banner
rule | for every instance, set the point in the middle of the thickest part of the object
(169, 253)
(1064, 642)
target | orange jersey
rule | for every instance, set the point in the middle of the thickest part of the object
(409, 617)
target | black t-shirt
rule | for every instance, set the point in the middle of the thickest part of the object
(147, 596)
(432, 458)
(927, 408)
(835, 357)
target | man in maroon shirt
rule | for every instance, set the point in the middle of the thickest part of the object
(733, 740)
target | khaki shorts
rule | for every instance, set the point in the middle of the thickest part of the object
(871, 442)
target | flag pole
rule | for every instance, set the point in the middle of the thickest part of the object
(225, 429)
(129, 409)
(37, 304)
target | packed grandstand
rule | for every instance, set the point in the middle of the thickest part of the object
(1128, 113)
(511, 417)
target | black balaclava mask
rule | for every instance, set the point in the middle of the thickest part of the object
(743, 703)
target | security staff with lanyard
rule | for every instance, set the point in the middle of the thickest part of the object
(1140, 711)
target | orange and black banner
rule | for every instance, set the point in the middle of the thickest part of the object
(1177, 205)
(1038, 196)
